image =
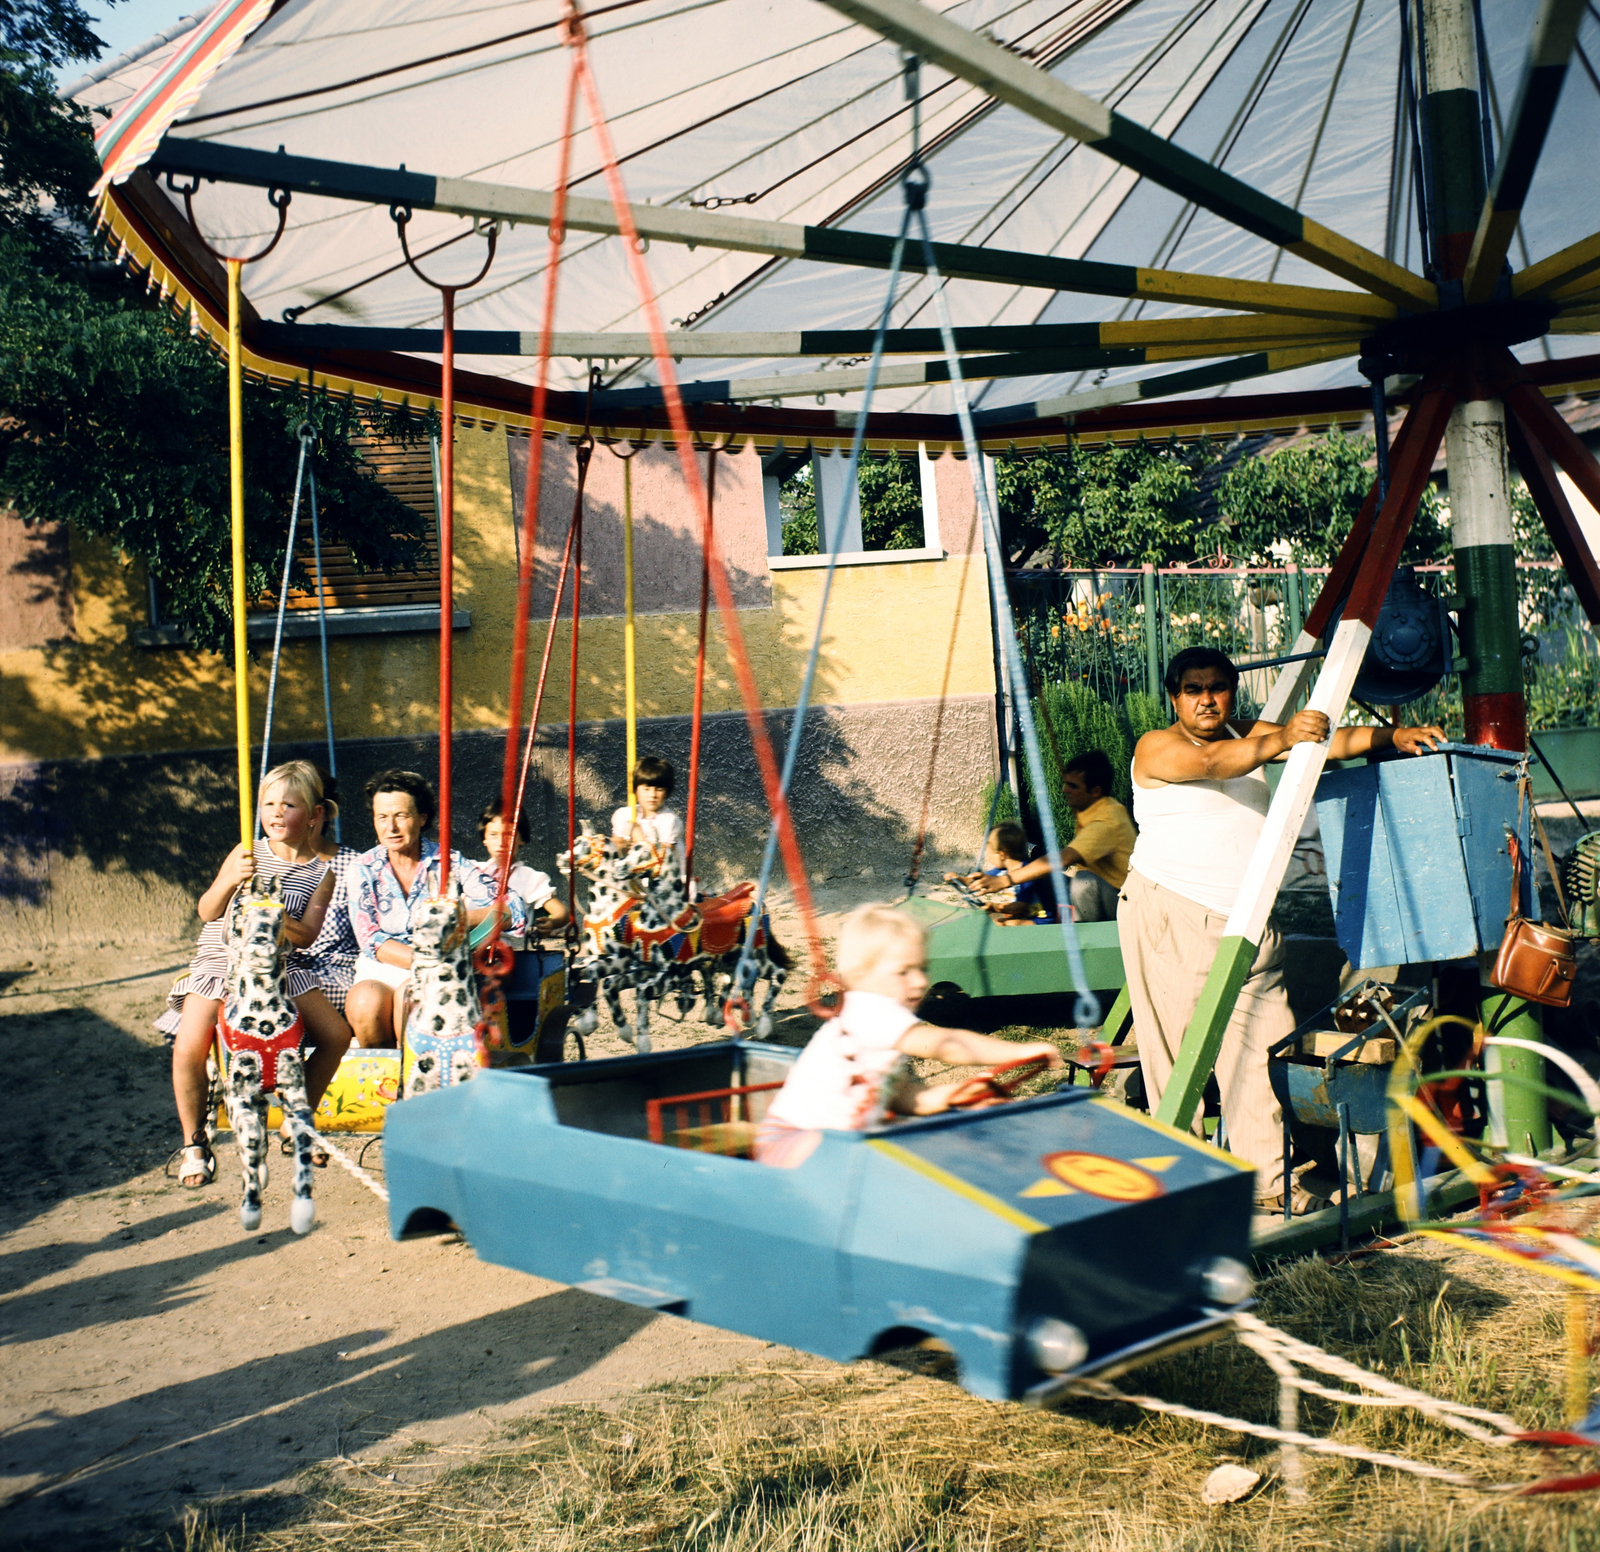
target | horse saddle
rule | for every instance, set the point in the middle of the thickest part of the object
(268, 1047)
(722, 920)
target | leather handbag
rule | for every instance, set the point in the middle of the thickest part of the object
(1536, 962)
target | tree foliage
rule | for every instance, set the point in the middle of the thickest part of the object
(113, 417)
(891, 507)
(1300, 502)
(1112, 506)
(1179, 503)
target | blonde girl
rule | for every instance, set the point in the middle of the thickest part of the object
(291, 810)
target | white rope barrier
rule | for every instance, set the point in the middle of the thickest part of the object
(347, 1164)
(1101, 1391)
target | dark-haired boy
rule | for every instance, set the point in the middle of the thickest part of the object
(1100, 847)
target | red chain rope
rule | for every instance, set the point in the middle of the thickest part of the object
(509, 787)
(755, 712)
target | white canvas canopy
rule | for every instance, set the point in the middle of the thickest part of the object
(784, 110)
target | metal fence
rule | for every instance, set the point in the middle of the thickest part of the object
(1113, 631)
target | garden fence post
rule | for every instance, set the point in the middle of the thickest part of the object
(1152, 643)
(1293, 602)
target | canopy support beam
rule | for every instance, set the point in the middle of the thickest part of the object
(739, 234)
(1014, 80)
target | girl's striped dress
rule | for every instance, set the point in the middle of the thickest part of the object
(208, 970)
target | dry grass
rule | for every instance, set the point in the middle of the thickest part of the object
(879, 1458)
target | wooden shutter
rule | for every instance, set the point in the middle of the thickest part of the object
(407, 472)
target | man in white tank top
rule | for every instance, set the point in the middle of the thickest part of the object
(1200, 798)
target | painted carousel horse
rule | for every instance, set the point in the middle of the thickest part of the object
(606, 952)
(704, 937)
(445, 1023)
(261, 1033)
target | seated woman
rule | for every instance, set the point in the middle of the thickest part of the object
(386, 883)
(545, 911)
(291, 809)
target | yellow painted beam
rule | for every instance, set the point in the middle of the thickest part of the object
(1259, 296)
(1361, 266)
(1561, 271)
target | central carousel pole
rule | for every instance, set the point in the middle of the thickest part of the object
(1495, 709)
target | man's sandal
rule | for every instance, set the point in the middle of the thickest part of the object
(197, 1164)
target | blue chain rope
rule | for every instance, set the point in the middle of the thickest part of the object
(307, 437)
(1086, 1008)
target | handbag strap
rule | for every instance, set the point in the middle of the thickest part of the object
(1555, 875)
(1514, 846)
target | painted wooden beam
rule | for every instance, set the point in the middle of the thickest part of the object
(1023, 363)
(1562, 271)
(741, 234)
(1241, 940)
(686, 344)
(1540, 436)
(1555, 32)
(1016, 81)
(1559, 519)
(1239, 369)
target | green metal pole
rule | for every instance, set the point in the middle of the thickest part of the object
(1293, 603)
(1519, 1117)
(1494, 705)
(1152, 641)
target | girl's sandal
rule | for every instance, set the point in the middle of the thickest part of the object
(319, 1154)
(197, 1164)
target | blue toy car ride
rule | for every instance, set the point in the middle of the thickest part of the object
(1039, 1240)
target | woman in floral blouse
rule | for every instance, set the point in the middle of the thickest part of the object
(385, 884)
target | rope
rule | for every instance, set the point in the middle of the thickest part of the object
(322, 640)
(584, 449)
(349, 1165)
(401, 215)
(538, 692)
(1099, 1390)
(511, 789)
(1086, 1009)
(914, 871)
(755, 715)
(691, 806)
(629, 645)
(307, 438)
(743, 983)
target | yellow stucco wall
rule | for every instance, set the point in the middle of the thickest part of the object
(895, 631)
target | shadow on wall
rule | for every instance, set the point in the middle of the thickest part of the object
(121, 846)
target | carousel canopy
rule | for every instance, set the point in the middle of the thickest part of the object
(1199, 206)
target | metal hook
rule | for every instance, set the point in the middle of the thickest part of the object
(492, 233)
(281, 205)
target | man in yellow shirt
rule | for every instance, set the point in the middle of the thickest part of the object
(1100, 847)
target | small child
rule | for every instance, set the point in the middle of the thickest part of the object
(1005, 849)
(533, 887)
(856, 1072)
(650, 820)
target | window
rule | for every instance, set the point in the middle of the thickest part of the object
(891, 511)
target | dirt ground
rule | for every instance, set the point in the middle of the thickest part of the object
(157, 1356)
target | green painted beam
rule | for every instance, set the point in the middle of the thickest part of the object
(1197, 1055)
(210, 160)
(1119, 1021)
(1555, 33)
(1015, 80)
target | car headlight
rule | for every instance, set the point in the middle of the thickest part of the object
(1056, 1345)
(1225, 1281)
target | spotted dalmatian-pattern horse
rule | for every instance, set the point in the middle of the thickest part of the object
(606, 954)
(641, 930)
(705, 938)
(262, 1034)
(446, 1024)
